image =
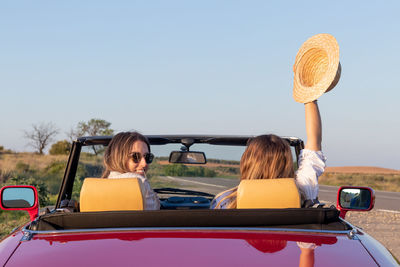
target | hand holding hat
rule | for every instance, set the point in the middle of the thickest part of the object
(316, 69)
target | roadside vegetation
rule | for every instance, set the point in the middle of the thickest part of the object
(214, 168)
(45, 172)
(382, 182)
(11, 219)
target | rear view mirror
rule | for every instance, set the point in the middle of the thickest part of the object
(355, 198)
(20, 198)
(351, 198)
(187, 157)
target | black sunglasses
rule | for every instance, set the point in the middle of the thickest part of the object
(137, 157)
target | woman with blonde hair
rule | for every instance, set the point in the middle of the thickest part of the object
(128, 156)
(270, 157)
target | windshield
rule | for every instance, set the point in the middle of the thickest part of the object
(220, 173)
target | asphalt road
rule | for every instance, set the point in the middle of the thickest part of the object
(383, 200)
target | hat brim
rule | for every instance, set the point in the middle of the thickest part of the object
(317, 68)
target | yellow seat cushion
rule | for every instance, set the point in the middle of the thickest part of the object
(268, 194)
(99, 194)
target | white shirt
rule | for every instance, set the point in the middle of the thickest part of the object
(311, 167)
(225, 202)
(151, 200)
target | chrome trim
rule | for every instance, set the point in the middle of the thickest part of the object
(27, 235)
(32, 232)
(352, 234)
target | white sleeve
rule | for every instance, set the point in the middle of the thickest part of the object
(311, 167)
(151, 200)
(306, 245)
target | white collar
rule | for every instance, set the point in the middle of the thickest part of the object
(115, 174)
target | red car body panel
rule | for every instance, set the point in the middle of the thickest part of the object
(187, 248)
(376, 250)
(8, 245)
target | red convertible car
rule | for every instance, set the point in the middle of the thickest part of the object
(184, 232)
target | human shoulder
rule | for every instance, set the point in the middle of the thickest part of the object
(220, 201)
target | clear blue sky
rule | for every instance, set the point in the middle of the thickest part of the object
(204, 67)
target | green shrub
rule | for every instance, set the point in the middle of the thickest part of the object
(229, 170)
(52, 175)
(175, 170)
(60, 148)
(192, 171)
(22, 167)
(209, 172)
(10, 219)
(76, 189)
(41, 187)
(155, 169)
(222, 161)
(54, 168)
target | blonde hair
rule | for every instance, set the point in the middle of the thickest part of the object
(117, 153)
(266, 157)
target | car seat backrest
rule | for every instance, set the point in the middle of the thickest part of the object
(99, 194)
(268, 194)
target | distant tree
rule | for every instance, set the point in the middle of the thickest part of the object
(5, 151)
(41, 135)
(93, 127)
(60, 148)
(72, 134)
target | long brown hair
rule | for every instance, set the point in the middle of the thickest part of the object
(266, 157)
(117, 153)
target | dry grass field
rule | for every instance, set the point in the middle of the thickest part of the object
(361, 169)
(378, 178)
(8, 162)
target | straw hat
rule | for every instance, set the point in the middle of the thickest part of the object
(316, 68)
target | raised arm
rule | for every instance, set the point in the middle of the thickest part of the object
(313, 126)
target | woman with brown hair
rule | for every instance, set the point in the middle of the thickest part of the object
(270, 157)
(128, 156)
